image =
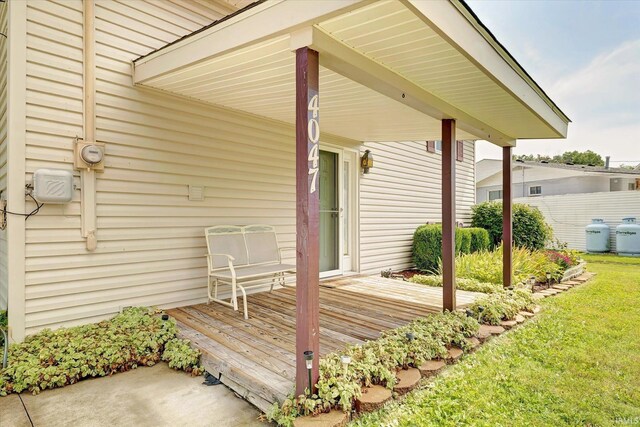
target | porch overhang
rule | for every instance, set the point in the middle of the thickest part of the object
(390, 70)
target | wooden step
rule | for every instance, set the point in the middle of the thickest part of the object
(251, 381)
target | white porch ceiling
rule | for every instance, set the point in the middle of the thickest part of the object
(259, 78)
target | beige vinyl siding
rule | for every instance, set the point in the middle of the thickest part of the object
(151, 250)
(401, 192)
(4, 289)
(150, 245)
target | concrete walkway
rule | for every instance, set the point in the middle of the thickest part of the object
(156, 396)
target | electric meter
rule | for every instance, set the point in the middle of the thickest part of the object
(92, 154)
(89, 155)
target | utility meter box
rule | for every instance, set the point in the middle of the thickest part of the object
(89, 155)
(53, 186)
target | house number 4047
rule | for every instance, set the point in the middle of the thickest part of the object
(313, 132)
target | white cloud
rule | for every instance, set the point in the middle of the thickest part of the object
(603, 100)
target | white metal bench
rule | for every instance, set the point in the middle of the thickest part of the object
(243, 258)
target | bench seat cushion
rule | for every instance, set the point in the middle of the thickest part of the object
(254, 271)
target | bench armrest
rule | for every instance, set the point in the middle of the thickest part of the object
(230, 260)
(229, 257)
(286, 248)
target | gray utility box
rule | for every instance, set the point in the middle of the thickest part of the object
(53, 186)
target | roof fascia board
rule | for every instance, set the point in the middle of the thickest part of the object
(270, 19)
(449, 21)
(343, 59)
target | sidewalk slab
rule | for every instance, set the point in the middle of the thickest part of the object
(155, 396)
(12, 412)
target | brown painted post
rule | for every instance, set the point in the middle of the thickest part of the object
(307, 215)
(507, 224)
(448, 214)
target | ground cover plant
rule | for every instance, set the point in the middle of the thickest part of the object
(502, 305)
(576, 364)
(462, 283)
(530, 230)
(376, 362)
(136, 337)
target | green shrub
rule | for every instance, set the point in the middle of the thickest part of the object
(503, 305)
(488, 215)
(462, 283)
(530, 230)
(480, 240)
(427, 244)
(427, 247)
(50, 359)
(4, 321)
(463, 241)
(486, 266)
(376, 362)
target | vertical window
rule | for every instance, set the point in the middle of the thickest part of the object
(632, 186)
(460, 151)
(535, 190)
(346, 218)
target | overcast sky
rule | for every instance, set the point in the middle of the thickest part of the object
(586, 56)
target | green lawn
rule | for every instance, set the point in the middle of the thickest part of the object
(576, 364)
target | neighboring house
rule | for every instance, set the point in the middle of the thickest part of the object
(534, 179)
(196, 136)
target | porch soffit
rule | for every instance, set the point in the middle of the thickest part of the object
(259, 78)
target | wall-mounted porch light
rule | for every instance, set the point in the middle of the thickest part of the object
(308, 360)
(366, 161)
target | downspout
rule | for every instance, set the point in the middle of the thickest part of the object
(88, 176)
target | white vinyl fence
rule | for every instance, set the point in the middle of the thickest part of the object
(569, 214)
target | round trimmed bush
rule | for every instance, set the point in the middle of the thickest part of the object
(530, 230)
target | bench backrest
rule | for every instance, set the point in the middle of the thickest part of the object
(253, 244)
(262, 244)
(226, 239)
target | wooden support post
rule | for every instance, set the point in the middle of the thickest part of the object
(507, 224)
(448, 214)
(307, 216)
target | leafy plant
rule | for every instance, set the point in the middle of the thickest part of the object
(503, 305)
(4, 321)
(376, 362)
(530, 230)
(486, 266)
(135, 337)
(463, 283)
(180, 355)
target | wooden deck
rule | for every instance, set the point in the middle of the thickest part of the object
(256, 357)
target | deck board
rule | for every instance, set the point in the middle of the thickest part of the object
(255, 357)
